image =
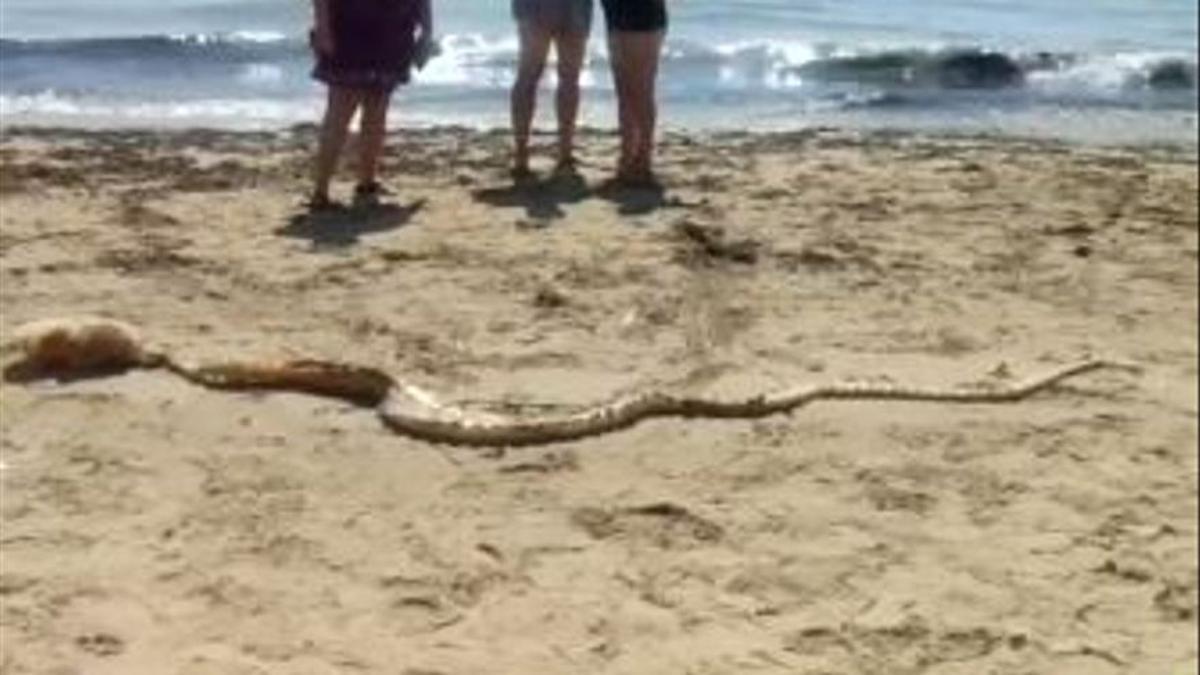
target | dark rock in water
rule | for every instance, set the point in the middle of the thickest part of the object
(960, 69)
(978, 70)
(1172, 74)
(896, 67)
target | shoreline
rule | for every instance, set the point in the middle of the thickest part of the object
(1149, 132)
(181, 134)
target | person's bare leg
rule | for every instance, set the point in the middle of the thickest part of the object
(571, 49)
(535, 43)
(339, 108)
(644, 50)
(373, 133)
(620, 69)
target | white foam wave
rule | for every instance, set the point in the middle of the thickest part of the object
(1104, 74)
(224, 112)
(474, 60)
(261, 74)
(256, 37)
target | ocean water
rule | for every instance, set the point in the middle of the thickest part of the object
(1096, 70)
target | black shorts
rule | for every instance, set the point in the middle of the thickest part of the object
(638, 16)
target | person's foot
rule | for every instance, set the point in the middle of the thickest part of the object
(641, 178)
(368, 194)
(567, 166)
(320, 201)
(624, 167)
(520, 162)
(521, 174)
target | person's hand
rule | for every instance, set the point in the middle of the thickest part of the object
(322, 40)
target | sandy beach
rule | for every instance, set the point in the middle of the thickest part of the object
(152, 526)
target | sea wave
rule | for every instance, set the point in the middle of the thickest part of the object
(197, 46)
(975, 68)
(475, 59)
(252, 112)
(264, 78)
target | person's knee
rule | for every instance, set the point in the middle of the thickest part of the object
(568, 84)
(569, 70)
(528, 76)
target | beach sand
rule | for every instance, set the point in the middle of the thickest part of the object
(150, 526)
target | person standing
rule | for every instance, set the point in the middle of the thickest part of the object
(565, 24)
(636, 29)
(364, 49)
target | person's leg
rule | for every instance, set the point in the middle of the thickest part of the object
(644, 50)
(535, 43)
(571, 48)
(373, 133)
(617, 42)
(339, 108)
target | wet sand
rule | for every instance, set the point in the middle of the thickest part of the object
(150, 526)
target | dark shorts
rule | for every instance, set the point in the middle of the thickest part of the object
(636, 16)
(567, 16)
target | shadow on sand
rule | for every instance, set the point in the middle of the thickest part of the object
(23, 372)
(542, 199)
(343, 226)
(636, 200)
